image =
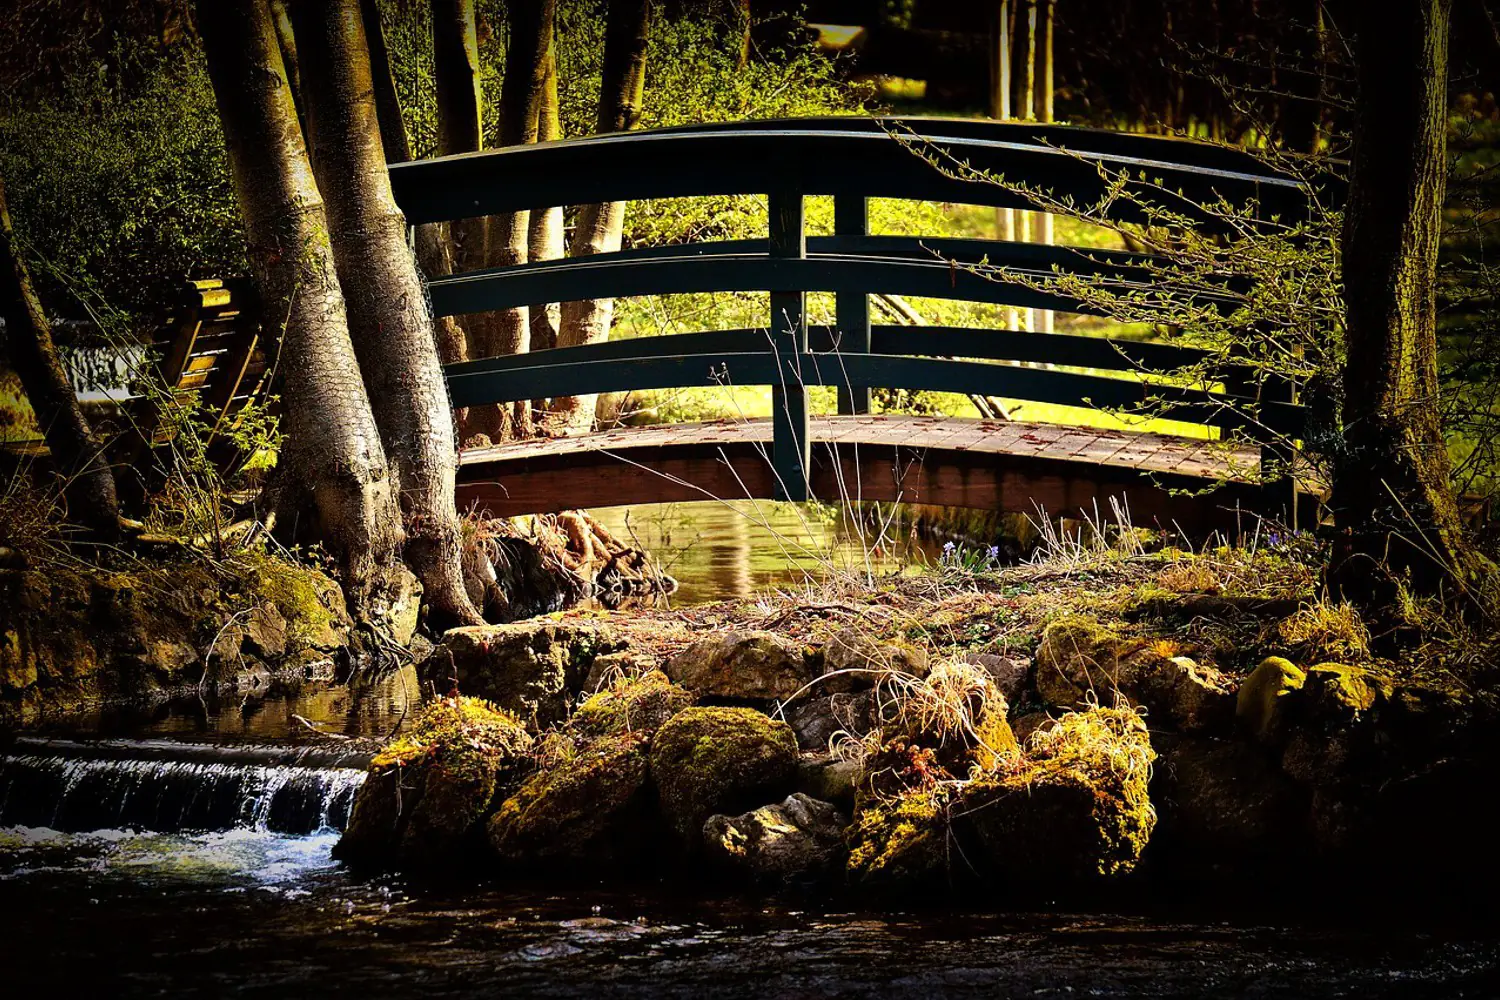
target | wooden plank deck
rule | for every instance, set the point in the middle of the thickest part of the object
(935, 460)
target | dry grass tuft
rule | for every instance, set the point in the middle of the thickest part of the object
(1324, 630)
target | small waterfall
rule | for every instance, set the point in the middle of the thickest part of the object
(168, 787)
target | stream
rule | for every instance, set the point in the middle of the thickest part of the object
(184, 851)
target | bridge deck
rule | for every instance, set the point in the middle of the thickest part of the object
(994, 465)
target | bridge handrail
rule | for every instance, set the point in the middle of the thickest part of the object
(854, 159)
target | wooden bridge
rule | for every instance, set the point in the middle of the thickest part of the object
(853, 455)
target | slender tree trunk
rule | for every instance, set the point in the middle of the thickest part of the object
(460, 104)
(333, 455)
(384, 298)
(1028, 113)
(508, 331)
(546, 237)
(1044, 219)
(88, 483)
(600, 226)
(1392, 499)
(1000, 101)
(747, 20)
(434, 253)
(288, 45)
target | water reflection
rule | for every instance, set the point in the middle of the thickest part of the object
(731, 550)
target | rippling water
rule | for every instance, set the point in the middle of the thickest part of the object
(250, 913)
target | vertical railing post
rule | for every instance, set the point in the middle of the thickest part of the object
(851, 217)
(790, 448)
(1278, 485)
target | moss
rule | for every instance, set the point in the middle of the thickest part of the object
(1260, 705)
(899, 840)
(720, 760)
(1344, 690)
(306, 598)
(1075, 807)
(430, 787)
(583, 806)
(642, 704)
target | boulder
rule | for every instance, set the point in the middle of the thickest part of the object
(1227, 801)
(853, 660)
(610, 667)
(822, 776)
(642, 705)
(1075, 808)
(817, 718)
(719, 760)
(900, 840)
(531, 669)
(798, 838)
(429, 790)
(1261, 705)
(1011, 674)
(1079, 659)
(752, 666)
(587, 805)
(1331, 731)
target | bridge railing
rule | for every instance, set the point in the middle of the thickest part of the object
(852, 159)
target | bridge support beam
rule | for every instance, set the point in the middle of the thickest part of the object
(851, 217)
(791, 454)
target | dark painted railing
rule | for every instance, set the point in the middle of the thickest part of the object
(852, 159)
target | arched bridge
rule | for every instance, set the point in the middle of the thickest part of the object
(853, 455)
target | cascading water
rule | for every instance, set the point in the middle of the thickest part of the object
(169, 787)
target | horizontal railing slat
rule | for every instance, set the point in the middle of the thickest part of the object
(764, 367)
(950, 269)
(837, 156)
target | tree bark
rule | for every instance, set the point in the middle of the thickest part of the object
(333, 457)
(546, 237)
(460, 109)
(434, 253)
(385, 301)
(88, 483)
(600, 227)
(508, 331)
(1392, 500)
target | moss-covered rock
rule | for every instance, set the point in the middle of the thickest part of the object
(720, 760)
(1225, 803)
(429, 790)
(749, 665)
(640, 705)
(799, 838)
(1076, 807)
(901, 840)
(588, 804)
(532, 669)
(854, 659)
(1080, 662)
(1261, 705)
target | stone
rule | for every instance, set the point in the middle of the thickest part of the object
(748, 665)
(799, 838)
(817, 719)
(642, 705)
(1079, 659)
(1227, 801)
(1076, 808)
(719, 760)
(853, 660)
(1023, 726)
(1261, 705)
(17, 665)
(265, 632)
(589, 805)
(1011, 674)
(532, 669)
(609, 667)
(821, 776)
(429, 790)
(900, 840)
(1336, 691)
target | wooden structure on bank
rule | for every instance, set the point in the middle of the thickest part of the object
(984, 464)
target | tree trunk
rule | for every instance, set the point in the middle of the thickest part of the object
(384, 298)
(1392, 500)
(434, 254)
(599, 226)
(288, 45)
(460, 104)
(333, 456)
(546, 237)
(88, 483)
(1044, 219)
(508, 331)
